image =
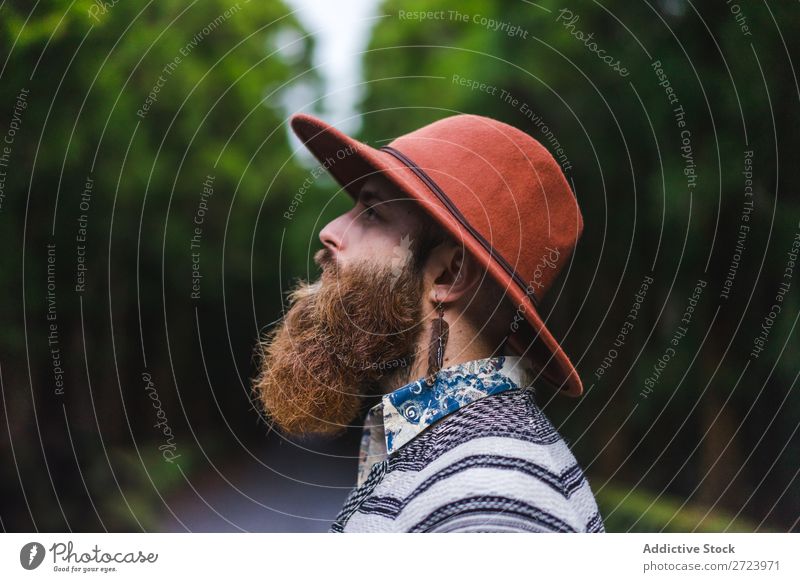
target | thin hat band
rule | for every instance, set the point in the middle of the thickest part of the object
(445, 199)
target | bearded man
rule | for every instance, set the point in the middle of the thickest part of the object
(427, 303)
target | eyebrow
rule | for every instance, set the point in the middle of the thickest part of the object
(367, 194)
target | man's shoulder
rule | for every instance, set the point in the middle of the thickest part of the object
(503, 434)
(496, 463)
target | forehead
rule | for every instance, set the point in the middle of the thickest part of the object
(380, 185)
(377, 189)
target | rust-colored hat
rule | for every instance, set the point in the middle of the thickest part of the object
(492, 187)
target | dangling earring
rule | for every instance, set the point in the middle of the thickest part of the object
(440, 331)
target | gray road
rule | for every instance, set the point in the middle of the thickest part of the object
(290, 487)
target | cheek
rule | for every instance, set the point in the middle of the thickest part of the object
(376, 243)
(364, 249)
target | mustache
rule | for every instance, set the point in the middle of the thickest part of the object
(325, 260)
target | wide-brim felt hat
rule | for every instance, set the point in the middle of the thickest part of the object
(493, 188)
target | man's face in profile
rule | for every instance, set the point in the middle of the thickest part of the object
(354, 327)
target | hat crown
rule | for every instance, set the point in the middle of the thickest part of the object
(507, 185)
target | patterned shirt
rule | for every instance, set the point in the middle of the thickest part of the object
(472, 453)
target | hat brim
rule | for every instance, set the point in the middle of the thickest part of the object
(350, 162)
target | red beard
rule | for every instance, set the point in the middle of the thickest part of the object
(356, 326)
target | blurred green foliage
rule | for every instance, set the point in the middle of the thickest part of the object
(645, 512)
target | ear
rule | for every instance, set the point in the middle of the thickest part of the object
(453, 274)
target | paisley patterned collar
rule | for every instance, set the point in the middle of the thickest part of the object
(414, 407)
(403, 414)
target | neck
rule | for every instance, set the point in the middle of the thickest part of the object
(464, 344)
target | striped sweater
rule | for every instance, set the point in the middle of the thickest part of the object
(472, 453)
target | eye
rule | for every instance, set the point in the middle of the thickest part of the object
(370, 213)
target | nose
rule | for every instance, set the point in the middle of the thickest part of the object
(332, 235)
